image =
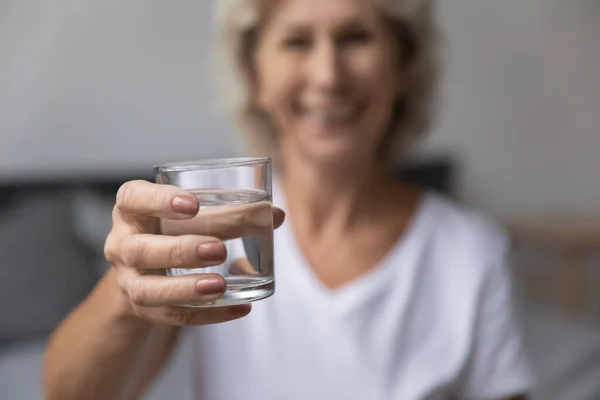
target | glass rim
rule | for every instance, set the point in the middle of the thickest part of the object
(211, 163)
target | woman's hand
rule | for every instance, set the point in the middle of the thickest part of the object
(140, 256)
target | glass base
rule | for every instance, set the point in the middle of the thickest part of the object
(241, 294)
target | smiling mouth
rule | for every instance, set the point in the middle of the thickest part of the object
(331, 115)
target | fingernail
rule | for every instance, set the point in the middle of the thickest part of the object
(211, 251)
(185, 204)
(208, 286)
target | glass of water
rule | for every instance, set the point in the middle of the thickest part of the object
(234, 195)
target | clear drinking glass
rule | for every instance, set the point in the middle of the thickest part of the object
(236, 207)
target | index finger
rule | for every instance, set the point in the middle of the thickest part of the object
(228, 222)
(144, 198)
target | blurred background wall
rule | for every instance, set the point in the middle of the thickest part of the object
(522, 103)
(94, 86)
(89, 87)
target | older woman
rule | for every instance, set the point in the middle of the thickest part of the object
(384, 291)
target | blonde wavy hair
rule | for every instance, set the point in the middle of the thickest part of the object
(413, 24)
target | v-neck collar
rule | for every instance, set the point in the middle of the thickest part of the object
(352, 294)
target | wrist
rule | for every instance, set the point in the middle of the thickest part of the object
(118, 302)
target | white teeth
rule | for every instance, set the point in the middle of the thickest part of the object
(336, 114)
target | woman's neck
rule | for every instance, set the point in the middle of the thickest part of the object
(359, 210)
(336, 198)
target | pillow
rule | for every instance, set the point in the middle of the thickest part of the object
(92, 222)
(44, 272)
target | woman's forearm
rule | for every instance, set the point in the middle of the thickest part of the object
(102, 351)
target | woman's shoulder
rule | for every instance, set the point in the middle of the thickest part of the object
(465, 249)
(461, 228)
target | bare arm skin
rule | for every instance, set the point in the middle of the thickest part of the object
(102, 351)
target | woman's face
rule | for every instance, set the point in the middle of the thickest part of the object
(327, 72)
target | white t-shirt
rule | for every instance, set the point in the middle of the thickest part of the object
(434, 319)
